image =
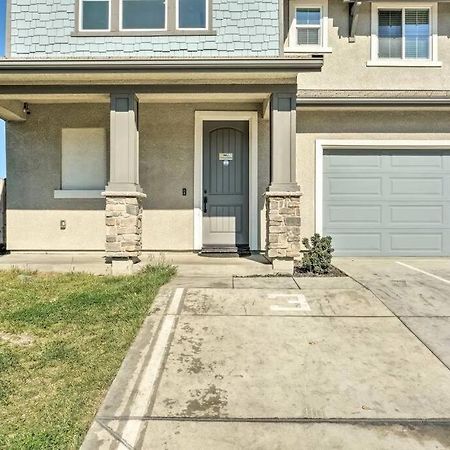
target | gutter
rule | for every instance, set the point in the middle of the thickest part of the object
(392, 101)
(145, 65)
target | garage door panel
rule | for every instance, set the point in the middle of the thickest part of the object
(417, 186)
(389, 203)
(353, 160)
(345, 215)
(416, 242)
(411, 160)
(357, 243)
(416, 214)
(351, 215)
(354, 186)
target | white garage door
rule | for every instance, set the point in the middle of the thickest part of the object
(387, 202)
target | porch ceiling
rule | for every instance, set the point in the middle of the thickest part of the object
(55, 98)
(217, 97)
(204, 97)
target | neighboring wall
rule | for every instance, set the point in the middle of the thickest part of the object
(2, 212)
(340, 124)
(43, 28)
(346, 67)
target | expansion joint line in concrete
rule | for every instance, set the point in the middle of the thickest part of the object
(115, 435)
(292, 316)
(174, 308)
(418, 338)
(296, 282)
(402, 321)
(173, 312)
(151, 367)
(443, 421)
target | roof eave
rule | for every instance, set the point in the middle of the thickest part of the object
(192, 65)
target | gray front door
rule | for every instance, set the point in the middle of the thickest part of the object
(387, 202)
(225, 183)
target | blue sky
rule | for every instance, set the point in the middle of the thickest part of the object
(2, 124)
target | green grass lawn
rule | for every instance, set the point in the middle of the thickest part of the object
(62, 340)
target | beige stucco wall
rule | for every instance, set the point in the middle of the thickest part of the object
(345, 67)
(356, 125)
(166, 167)
(34, 172)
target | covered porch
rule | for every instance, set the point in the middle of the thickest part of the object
(163, 168)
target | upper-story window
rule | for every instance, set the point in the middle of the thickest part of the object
(95, 15)
(308, 22)
(143, 17)
(192, 14)
(404, 35)
(143, 14)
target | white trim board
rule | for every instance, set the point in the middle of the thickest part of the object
(252, 118)
(77, 193)
(372, 144)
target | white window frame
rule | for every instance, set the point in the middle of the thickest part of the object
(292, 42)
(410, 62)
(80, 192)
(121, 28)
(80, 17)
(177, 14)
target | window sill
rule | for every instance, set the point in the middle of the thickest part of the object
(308, 50)
(77, 193)
(143, 33)
(402, 63)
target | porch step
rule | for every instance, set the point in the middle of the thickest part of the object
(225, 251)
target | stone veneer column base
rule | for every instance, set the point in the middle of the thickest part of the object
(123, 229)
(283, 229)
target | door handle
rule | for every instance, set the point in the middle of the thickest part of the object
(205, 203)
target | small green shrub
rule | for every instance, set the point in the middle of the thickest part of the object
(318, 254)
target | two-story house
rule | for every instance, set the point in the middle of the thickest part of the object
(227, 125)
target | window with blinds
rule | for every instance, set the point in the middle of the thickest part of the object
(389, 34)
(417, 33)
(308, 23)
(404, 33)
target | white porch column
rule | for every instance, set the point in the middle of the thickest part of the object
(123, 193)
(124, 145)
(283, 196)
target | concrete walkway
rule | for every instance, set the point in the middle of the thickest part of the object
(189, 264)
(278, 363)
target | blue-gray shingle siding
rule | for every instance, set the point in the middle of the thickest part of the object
(43, 28)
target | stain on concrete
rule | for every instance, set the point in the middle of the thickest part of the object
(425, 434)
(189, 360)
(195, 342)
(209, 402)
(192, 364)
(197, 303)
(187, 328)
(169, 403)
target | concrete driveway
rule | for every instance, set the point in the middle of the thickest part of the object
(278, 363)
